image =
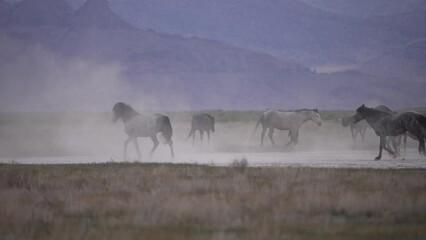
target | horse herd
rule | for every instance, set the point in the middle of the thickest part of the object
(390, 126)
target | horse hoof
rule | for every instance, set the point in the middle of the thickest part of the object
(377, 158)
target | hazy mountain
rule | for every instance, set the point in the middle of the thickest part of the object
(97, 14)
(407, 62)
(5, 10)
(311, 32)
(290, 29)
(93, 58)
(40, 13)
(412, 24)
(369, 8)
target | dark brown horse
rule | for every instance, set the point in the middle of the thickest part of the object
(140, 125)
(386, 124)
(203, 123)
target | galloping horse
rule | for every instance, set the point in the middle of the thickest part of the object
(386, 124)
(141, 125)
(395, 141)
(286, 120)
(203, 123)
(360, 127)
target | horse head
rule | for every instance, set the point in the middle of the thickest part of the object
(359, 114)
(346, 121)
(212, 123)
(123, 111)
(315, 117)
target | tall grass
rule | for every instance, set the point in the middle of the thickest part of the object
(162, 201)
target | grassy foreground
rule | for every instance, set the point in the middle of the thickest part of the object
(166, 201)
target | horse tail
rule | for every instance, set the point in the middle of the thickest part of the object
(257, 126)
(166, 128)
(190, 133)
(422, 121)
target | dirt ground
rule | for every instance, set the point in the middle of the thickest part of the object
(327, 187)
(100, 140)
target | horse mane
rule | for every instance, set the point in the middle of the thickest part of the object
(126, 111)
(374, 110)
(385, 109)
(129, 108)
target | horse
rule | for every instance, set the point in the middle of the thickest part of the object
(143, 125)
(360, 127)
(387, 124)
(203, 123)
(395, 142)
(286, 120)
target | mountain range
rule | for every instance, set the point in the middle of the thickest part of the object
(47, 43)
(368, 8)
(289, 29)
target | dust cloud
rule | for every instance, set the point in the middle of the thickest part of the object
(85, 137)
(38, 80)
(37, 88)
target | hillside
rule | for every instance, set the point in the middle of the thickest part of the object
(368, 8)
(407, 62)
(289, 29)
(93, 58)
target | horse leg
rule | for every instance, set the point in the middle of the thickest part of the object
(363, 135)
(191, 133)
(193, 138)
(421, 147)
(296, 137)
(262, 135)
(271, 132)
(201, 136)
(135, 141)
(290, 134)
(208, 136)
(125, 148)
(382, 143)
(405, 144)
(393, 144)
(293, 136)
(353, 134)
(398, 146)
(388, 149)
(156, 143)
(170, 143)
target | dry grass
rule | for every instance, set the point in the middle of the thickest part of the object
(162, 201)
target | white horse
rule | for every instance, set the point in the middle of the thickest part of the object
(137, 125)
(286, 120)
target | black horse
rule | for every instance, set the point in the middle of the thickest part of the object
(386, 124)
(203, 123)
(143, 125)
(393, 142)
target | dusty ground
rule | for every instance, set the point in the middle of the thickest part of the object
(327, 187)
(102, 141)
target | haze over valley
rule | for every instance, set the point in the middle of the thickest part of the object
(70, 55)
